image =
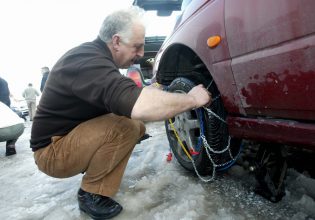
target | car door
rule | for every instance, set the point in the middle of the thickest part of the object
(272, 45)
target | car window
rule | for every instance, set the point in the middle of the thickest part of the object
(159, 26)
(185, 3)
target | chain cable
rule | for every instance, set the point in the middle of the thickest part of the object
(206, 145)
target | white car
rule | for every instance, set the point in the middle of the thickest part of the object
(20, 105)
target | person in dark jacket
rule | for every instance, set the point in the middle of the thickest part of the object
(90, 116)
(45, 72)
(4, 92)
(5, 96)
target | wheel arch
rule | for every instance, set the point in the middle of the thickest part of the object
(179, 60)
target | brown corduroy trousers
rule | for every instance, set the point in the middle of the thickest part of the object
(100, 147)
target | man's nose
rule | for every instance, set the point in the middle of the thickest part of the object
(140, 53)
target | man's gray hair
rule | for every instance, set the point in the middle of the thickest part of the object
(120, 22)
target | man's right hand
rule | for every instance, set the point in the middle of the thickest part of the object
(201, 95)
(156, 105)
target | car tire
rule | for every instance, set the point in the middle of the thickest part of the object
(187, 126)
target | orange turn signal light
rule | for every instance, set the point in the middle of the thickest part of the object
(213, 41)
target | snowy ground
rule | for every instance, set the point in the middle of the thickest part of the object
(152, 188)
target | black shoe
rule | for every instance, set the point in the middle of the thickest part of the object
(10, 150)
(97, 206)
(144, 137)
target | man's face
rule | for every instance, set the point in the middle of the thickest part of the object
(130, 51)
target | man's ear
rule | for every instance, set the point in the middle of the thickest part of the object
(116, 42)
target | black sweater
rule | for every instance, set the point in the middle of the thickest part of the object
(83, 84)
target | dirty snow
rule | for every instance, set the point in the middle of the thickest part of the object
(152, 188)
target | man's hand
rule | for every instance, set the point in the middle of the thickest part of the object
(155, 105)
(201, 95)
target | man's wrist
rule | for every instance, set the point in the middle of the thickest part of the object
(194, 102)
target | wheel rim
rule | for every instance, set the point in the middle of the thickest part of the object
(191, 125)
(187, 127)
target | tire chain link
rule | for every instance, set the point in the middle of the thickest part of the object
(209, 149)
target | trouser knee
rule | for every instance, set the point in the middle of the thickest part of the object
(11, 132)
(133, 129)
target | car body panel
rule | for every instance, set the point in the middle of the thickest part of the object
(194, 6)
(215, 59)
(263, 65)
(273, 130)
(271, 49)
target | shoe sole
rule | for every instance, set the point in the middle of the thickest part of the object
(9, 154)
(99, 217)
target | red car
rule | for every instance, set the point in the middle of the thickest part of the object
(257, 58)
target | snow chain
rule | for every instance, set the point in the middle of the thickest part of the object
(207, 147)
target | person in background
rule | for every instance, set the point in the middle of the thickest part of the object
(5, 96)
(30, 94)
(45, 72)
(11, 128)
(90, 117)
(5, 92)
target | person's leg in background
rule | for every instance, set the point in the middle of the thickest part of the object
(30, 113)
(31, 108)
(101, 148)
(10, 147)
(10, 135)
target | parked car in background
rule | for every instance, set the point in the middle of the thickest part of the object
(257, 60)
(19, 105)
(134, 72)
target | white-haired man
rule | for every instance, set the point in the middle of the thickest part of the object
(90, 116)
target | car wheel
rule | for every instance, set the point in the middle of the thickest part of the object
(187, 129)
